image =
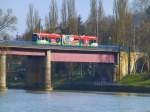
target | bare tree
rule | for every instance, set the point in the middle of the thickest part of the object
(141, 5)
(7, 21)
(123, 19)
(100, 20)
(72, 17)
(51, 22)
(37, 22)
(64, 16)
(33, 22)
(92, 20)
(142, 30)
(81, 27)
(47, 24)
(30, 19)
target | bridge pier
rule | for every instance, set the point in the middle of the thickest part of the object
(3, 72)
(115, 75)
(48, 77)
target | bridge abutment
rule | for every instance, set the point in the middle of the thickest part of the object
(3, 86)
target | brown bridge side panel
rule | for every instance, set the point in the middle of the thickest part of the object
(81, 57)
(23, 53)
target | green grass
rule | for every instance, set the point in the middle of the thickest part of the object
(142, 79)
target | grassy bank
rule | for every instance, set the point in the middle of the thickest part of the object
(142, 79)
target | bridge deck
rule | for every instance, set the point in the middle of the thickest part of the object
(31, 45)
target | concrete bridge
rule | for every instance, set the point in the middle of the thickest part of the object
(41, 56)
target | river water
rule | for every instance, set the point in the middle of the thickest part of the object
(63, 101)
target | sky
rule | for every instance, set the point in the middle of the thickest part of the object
(20, 8)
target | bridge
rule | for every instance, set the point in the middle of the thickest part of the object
(42, 56)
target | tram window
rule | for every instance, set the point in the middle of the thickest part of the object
(76, 39)
(91, 41)
(38, 38)
(46, 39)
(43, 38)
(57, 40)
(94, 41)
(49, 40)
(34, 37)
(81, 41)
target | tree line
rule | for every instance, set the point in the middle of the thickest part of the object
(71, 22)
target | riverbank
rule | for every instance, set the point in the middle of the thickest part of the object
(105, 88)
(139, 83)
(102, 88)
(133, 83)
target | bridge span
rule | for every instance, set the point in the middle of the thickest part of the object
(44, 55)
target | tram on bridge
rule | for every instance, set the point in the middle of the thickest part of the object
(64, 40)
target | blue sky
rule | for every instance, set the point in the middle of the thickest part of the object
(20, 8)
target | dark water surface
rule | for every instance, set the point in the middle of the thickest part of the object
(59, 101)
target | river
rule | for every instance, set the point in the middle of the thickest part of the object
(67, 101)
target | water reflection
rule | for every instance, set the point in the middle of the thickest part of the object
(69, 101)
(3, 93)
